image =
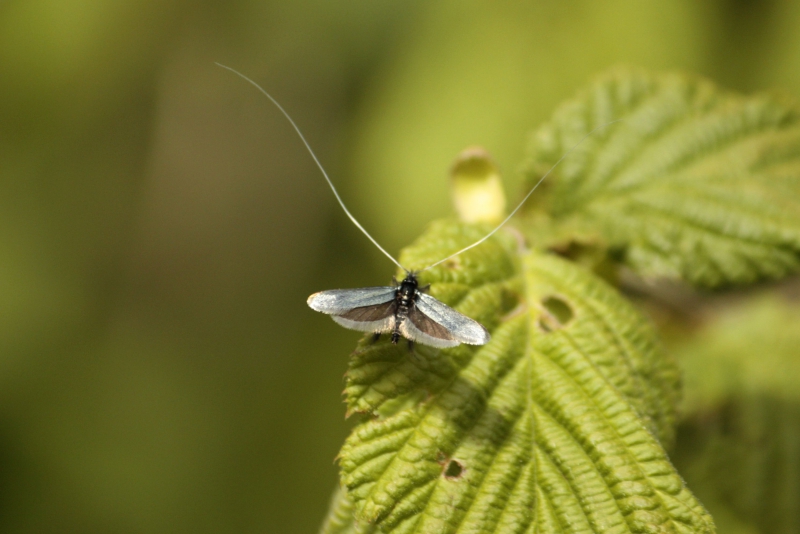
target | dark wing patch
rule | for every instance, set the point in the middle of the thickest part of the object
(377, 318)
(428, 326)
(368, 314)
(459, 326)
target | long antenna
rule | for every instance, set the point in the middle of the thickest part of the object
(321, 168)
(355, 221)
(510, 215)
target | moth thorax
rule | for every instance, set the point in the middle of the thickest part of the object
(407, 290)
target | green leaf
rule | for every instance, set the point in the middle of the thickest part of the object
(340, 518)
(693, 183)
(551, 427)
(739, 444)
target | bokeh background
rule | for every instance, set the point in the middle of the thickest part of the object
(161, 225)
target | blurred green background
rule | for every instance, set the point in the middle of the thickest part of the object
(161, 226)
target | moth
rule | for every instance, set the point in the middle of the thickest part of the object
(405, 309)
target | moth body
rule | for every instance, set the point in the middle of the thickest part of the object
(405, 297)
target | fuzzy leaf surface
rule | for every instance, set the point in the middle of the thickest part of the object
(693, 183)
(553, 426)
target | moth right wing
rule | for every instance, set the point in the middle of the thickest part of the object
(422, 329)
(458, 327)
(369, 309)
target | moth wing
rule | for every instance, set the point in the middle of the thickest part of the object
(424, 330)
(368, 309)
(339, 301)
(376, 318)
(460, 327)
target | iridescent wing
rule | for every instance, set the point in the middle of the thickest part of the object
(443, 326)
(421, 329)
(378, 318)
(369, 309)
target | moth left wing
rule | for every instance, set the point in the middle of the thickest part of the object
(458, 326)
(377, 318)
(369, 309)
(338, 301)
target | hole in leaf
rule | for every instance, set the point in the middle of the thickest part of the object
(454, 470)
(556, 314)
